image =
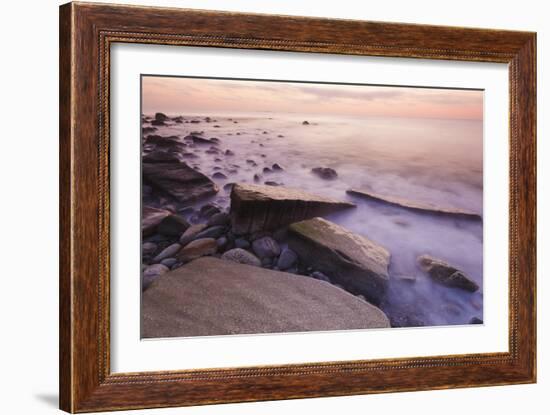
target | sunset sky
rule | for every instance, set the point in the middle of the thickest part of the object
(178, 96)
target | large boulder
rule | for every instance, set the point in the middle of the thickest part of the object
(420, 207)
(258, 208)
(178, 180)
(352, 261)
(446, 274)
(150, 218)
(210, 296)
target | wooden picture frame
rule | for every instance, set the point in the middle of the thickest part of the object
(86, 33)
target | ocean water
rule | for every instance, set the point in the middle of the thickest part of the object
(421, 160)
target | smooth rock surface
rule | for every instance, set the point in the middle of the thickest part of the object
(191, 233)
(416, 206)
(242, 257)
(178, 180)
(446, 274)
(197, 248)
(151, 273)
(257, 207)
(173, 225)
(353, 261)
(266, 247)
(208, 297)
(167, 252)
(287, 259)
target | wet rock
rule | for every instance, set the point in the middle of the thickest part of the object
(200, 141)
(173, 225)
(229, 153)
(209, 209)
(325, 173)
(151, 273)
(178, 180)
(242, 243)
(267, 170)
(157, 123)
(280, 135)
(287, 259)
(276, 167)
(446, 274)
(188, 155)
(212, 232)
(419, 207)
(241, 256)
(272, 183)
(305, 123)
(191, 233)
(257, 178)
(159, 156)
(167, 252)
(266, 247)
(169, 262)
(197, 248)
(475, 320)
(353, 261)
(256, 207)
(251, 162)
(220, 218)
(159, 116)
(150, 218)
(273, 302)
(148, 248)
(280, 234)
(219, 175)
(148, 130)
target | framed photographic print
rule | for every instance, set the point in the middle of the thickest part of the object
(260, 207)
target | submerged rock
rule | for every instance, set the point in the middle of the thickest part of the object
(325, 173)
(353, 261)
(241, 256)
(200, 140)
(150, 219)
(446, 274)
(415, 206)
(206, 297)
(257, 207)
(178, 180)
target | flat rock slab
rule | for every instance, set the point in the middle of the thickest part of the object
(256, 207)
(150, 218)
(178, 180)
(353, 261)
(210, 296)
(416, 206)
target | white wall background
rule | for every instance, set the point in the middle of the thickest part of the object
(28, 219)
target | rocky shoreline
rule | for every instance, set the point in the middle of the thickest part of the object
(267, 225)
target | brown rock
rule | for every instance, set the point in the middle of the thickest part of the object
(150, 218)
(207, 297)
(446, 274)
(257, 207)
(197, 248)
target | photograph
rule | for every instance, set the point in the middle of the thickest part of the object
(278, 206)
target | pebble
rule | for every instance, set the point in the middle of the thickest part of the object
(191, 233)
(212, 232)
(169, 262)
(242, 243)
(167, 252)
(320, 276)
(266, 247)
(287, 259)
(241, 256)
(148, 248)
(198, 248)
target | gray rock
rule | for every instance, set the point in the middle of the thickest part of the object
(167, 252)
(211, 232)
(191, 233)
(195, 139)
(241, 256)
(276, 166)
(209, 209)
(257, 207)
(242, 243)
(222, 242)
(446, 274)
(266, 247)
(178, 180)
(173, 225)
(476, 320)
(287, 259)
(151, 273)
(219, 175)
(148, 248)
(280, 234)
(197, 248)
(169, 262)
(353, 261)
(210, 296)
(220, 218)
